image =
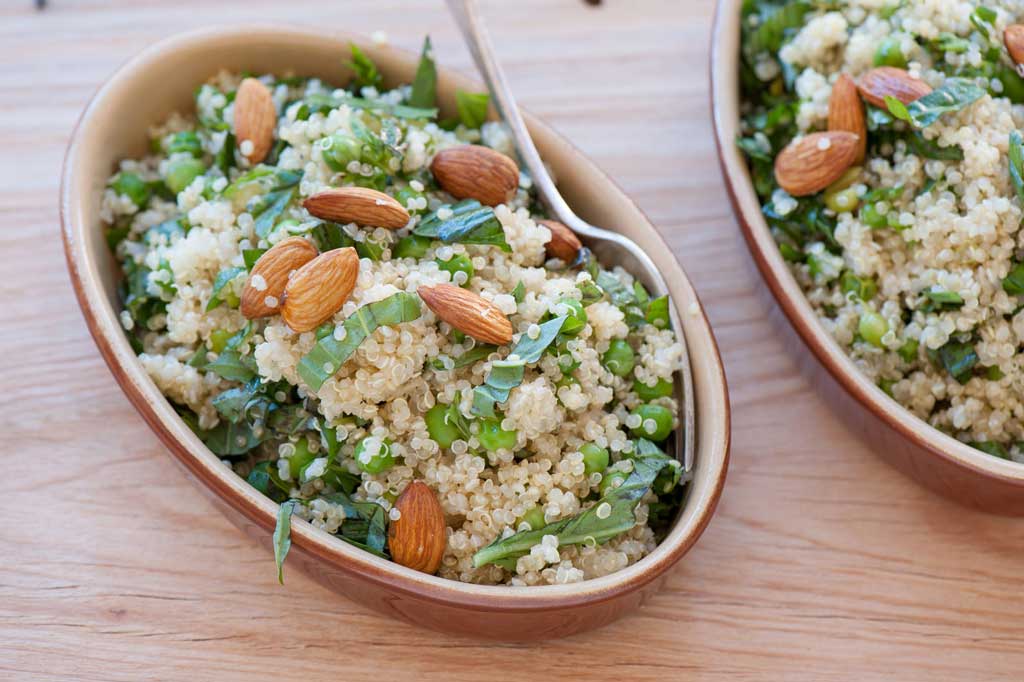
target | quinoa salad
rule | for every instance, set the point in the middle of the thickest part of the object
(883, 141)
(360, 307)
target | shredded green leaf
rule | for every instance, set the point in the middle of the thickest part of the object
(366, 72)
(472, 107)
(329, 353)
(467, 222)
(507, 374)
(283, 536)
(424, 85)
(612, 515)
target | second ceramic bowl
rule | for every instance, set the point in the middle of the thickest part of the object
(936, 460)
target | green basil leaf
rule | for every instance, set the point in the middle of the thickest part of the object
(250, 256)
(1016, 157)
(953, 95)
(424, 84)
(283, 536)
(233, 366)
(224, 277)
(930, 149)
(588, 526)
(519, 293)
(469, 223)
(507, 374)
(365, 522)
(266, 218)
(472, 107)
(366, 72)
(1013, 283)
(328, 355)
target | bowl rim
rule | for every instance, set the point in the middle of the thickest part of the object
(723, 73)
(101, 319)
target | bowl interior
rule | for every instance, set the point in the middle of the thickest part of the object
(162, 80)
(786, 290)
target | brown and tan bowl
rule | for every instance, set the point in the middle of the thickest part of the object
(933, 458)
(162, 80)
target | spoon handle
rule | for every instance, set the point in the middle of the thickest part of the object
(467, 16)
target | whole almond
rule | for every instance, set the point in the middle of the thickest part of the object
(846, 112)
(360, 205)
(891, 81)
(1013, 38)
(564, 244)
(255, 119)
(418, 537)
(473, 171)
(319, 288)
(271, 273)
(813, 162)
(468, 312)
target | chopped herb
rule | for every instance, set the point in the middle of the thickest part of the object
(519, 293)
(609, 517)
(953, 95)
(991, 448)
(224, 277)
(233, 366)
(958, 359)
(1013, 283)
(507, 374)
(283, 536)
(472, 107)
(942, 300)
(366, 72)
(424, 84)
(469, 222)
(328, 355)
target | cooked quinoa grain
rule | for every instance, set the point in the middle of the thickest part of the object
(334, 423)
(912, 259)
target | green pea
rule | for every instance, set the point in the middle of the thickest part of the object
(382, 461)
(184, 142)
(1013, 84)
(662, 389)
(872, 327)
(576, 316)
(460, 262)
(493, 437)
(413, 246)
(534, 517)
(595, 458)
(662, 418)
(890, 53)
(406, 194)
(438, 427)
(566, 362)
(339, 150)
(619, 359)
(870, 216)
(132, 186)
(219, 339)
(182, 171)
(843, 201)
(567, 380)
(301, 458)
(612, 480)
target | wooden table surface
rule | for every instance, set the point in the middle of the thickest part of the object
(822, 563)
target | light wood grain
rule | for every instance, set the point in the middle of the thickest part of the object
(822, 563)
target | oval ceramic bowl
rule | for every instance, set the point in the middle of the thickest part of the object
(936, 460)
(162, 80)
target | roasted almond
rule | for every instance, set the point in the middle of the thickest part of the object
(473, 171)
(255, 119)
(1013, 38)
(319, 288)
(360, 205)
(468, 312)
(269, 276)
(418, 537)
(811, 163)
(883, 81)
(846, 112)
(564, 244)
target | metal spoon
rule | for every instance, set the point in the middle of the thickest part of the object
(608, 246)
